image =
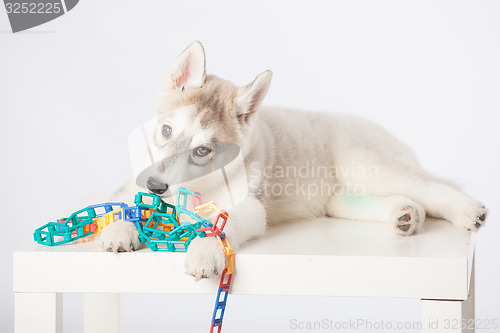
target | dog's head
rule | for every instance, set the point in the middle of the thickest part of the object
(199, 119)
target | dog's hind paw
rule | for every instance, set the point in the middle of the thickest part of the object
(204, 258)
(408, 219)
(472, 216)
(120, 237)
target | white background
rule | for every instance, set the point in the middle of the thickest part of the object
(71, 91)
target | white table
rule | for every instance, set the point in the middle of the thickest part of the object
(318, 257)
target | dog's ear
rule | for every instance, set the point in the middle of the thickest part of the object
(250, 98)
(189, 69)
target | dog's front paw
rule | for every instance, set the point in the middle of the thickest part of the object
(119, 237)
(204, 258)
(471, 216)
(407, 220)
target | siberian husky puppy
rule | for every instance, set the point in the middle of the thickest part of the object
(297, 165)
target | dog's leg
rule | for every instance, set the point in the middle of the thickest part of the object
(445, 201)
(404, 215)
(247, 220)
(438, 198)
(122, 236)
(392, 168)
(400, 174)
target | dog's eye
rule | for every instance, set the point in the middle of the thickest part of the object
(166, 131)
(202, 151)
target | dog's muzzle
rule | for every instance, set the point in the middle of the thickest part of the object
(156, 187)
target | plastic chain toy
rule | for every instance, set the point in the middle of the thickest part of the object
(160, 227)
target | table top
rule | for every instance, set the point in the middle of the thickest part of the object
(320, 256)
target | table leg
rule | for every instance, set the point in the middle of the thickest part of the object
(449, 316)
(101, 313)
(38, 312)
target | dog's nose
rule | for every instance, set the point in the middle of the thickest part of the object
(156, 187)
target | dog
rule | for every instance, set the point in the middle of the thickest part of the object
(297, 165)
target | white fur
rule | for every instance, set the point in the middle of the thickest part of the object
(306, 164)
(122, 236)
